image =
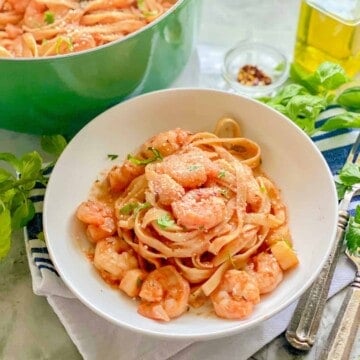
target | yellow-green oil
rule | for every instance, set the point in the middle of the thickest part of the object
(323, 35)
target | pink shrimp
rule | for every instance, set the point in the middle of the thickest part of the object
(111, 259)
(166, 189)
(34, 14)
(190, 169)
(19, 5)
(120, 176)
(164, 294)
(236, 295)
(82, 42)
(166, 142)
(266, 271)
(13, 30)
(200, 208)
(99, 219)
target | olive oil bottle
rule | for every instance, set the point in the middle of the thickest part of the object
(329, 30)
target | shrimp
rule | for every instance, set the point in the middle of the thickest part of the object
(99, 218)
(19, 6)
(119, 177)
(82, 42)
(166, 189)
(190, 169)
(13, 31)
(166, 143)
(236, 295)
(111, 260)
(34, 14)
(200, 208)
(266, 271)
(164, 293)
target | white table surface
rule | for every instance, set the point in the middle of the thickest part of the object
(28, 327)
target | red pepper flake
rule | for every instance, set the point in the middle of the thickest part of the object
(251, 75)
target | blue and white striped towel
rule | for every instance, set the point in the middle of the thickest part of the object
(96, 338)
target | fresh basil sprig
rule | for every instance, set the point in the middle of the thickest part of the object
(350, 98)
(17, 178)
(308, 94)
(352, 237)
(348, 176)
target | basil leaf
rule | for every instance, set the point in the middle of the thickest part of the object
(128, 208)
(280, 108)
(142, 206)
(7, 185)
(22, 214)
(280, 66)
(165, 221)
(5, 232)
(5, 175)
(301, 76)
(352, 237)
(30, 169)
(134, 207)
(350, 98)
(350, 174)
(342, 121)
(304, 110)
(330, 75)
(53, 144)
(288, 92)
(136, 161)
(357, 214)
(112, 156)
(340, 189)
(49, 17)
(11, 159)
(7, 197)
(30, 165)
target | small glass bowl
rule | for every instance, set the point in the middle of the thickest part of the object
(266, 58)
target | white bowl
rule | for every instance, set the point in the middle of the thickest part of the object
(289, 157)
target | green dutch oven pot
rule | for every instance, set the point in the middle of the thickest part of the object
(59, 95)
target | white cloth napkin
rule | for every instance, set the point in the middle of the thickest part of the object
(97, 338)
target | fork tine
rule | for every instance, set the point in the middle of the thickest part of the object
(354, 152)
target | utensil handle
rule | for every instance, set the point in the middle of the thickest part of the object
(305, 322)
(346, 325)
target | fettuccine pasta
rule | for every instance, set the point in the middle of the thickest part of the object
(36, 28)
(190, 218)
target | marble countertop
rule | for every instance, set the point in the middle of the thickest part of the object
(29, 328)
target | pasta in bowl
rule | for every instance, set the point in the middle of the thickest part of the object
(202, 227)
(190, 217)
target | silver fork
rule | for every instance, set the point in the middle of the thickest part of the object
(347, 322)
(304, 324)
